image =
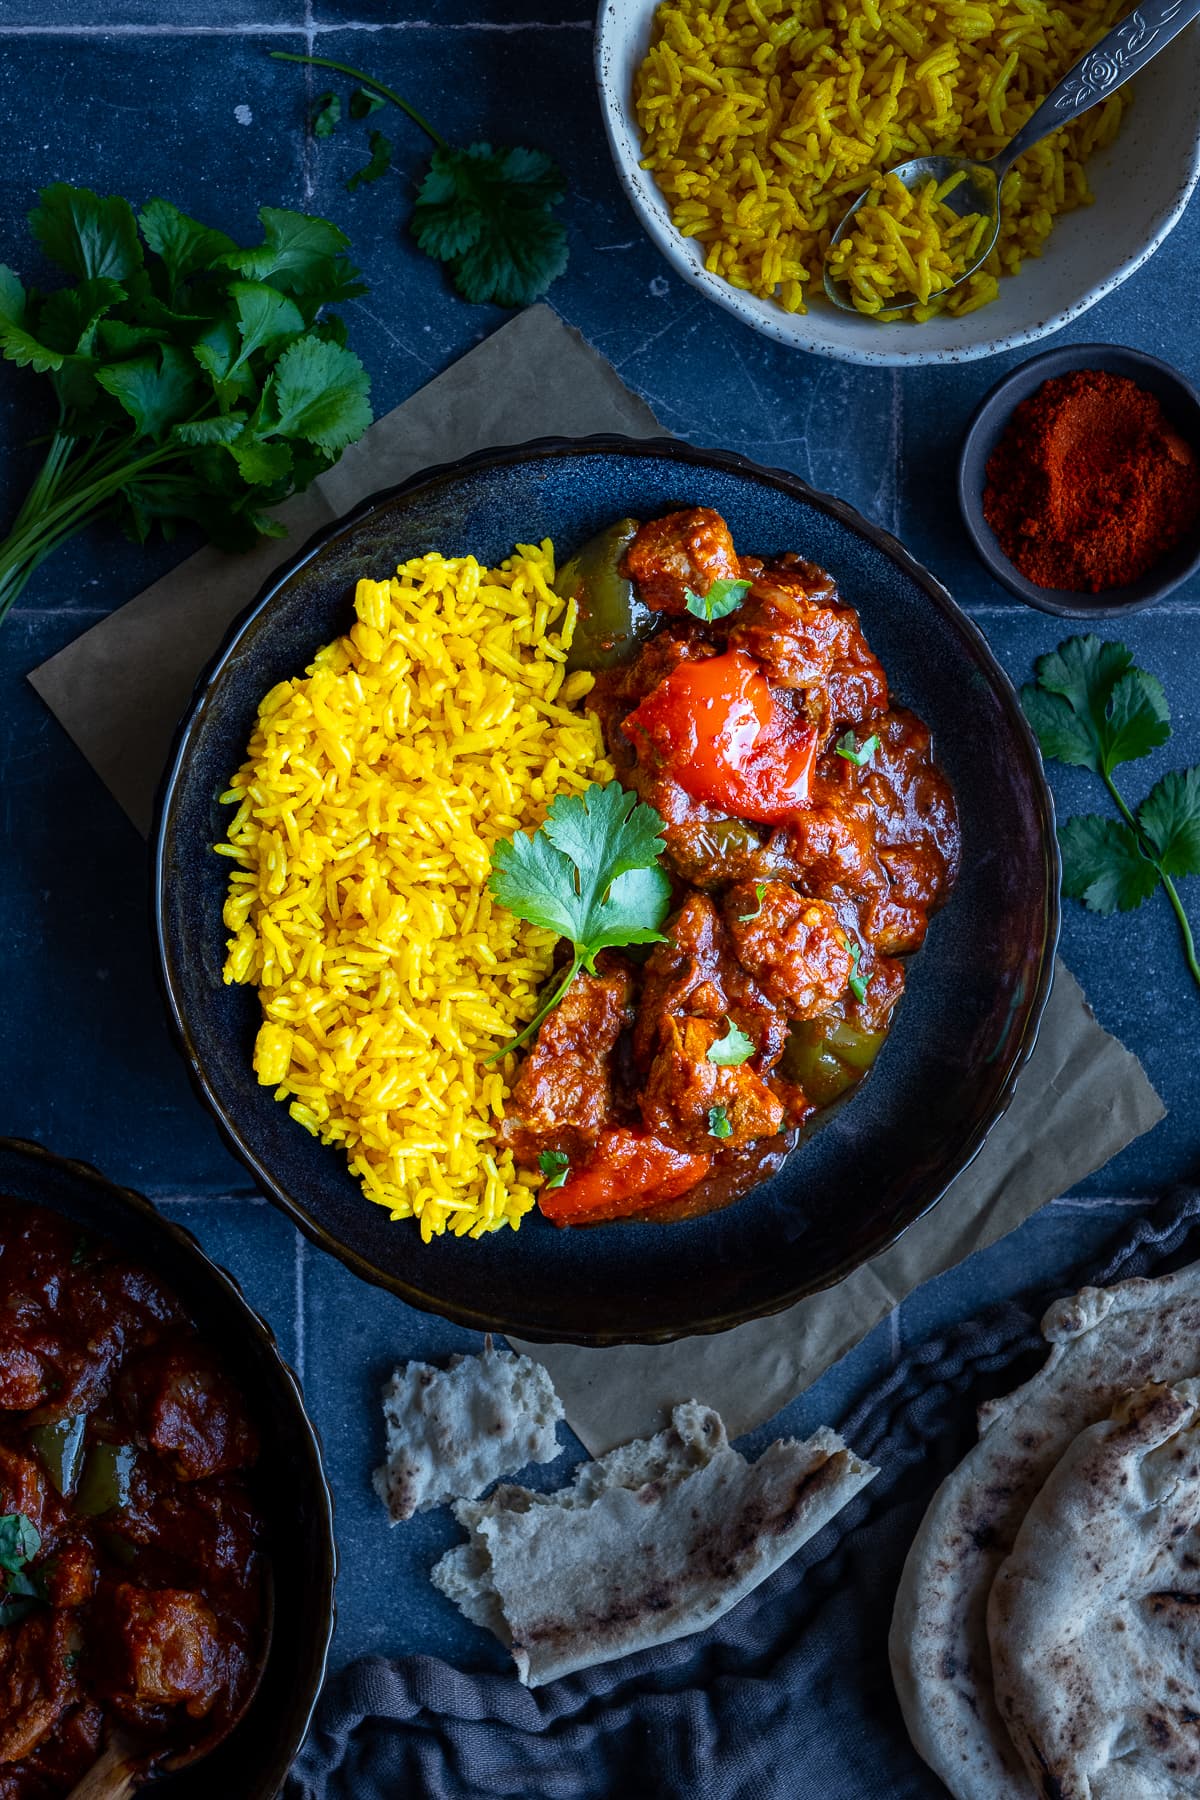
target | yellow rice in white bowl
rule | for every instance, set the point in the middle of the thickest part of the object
(374, 790)
(743, 225)
(763, 120)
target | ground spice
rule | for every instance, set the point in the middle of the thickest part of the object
(1091, 485)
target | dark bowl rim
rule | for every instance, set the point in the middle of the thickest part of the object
(600, 443)
(322, 1498)
(1063, 603)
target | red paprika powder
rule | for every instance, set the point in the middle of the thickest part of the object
(1091, 485)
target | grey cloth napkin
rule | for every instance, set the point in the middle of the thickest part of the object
(787, 1697)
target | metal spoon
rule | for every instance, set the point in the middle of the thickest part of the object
(1127, 48)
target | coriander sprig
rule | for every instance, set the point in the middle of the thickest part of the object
(590, 872)
(485, 213)
(1093, 708)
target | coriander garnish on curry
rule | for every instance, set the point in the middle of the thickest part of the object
(591, 885)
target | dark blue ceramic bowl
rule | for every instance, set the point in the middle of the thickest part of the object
(290, 1480)
(975, 992)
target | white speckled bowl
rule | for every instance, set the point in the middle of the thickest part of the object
(1142, 184)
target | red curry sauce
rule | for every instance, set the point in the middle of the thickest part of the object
(131, 1578)
(802, 879)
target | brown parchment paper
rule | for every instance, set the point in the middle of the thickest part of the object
(120, 689)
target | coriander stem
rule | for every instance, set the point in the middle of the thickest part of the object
(324, 62)
(1189, 942)
(542, 1012)
(1185, 929)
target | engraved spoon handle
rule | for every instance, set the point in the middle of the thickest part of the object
(1107, 66)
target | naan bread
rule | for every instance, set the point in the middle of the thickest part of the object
(1094, 1620)
(452, 1432)
(1105, 1342)
(655, 1540)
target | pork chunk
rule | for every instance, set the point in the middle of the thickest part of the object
(695, 974)
(163, 1649)
(685, 1090)
(36, 1683)
(793, 946)
(916, 832)
(792, 624)
(562, 1097)
(679, 551)
(184, 1407)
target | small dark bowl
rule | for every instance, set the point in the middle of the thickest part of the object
(254, 1760)
(1181, 403)
(975, 994)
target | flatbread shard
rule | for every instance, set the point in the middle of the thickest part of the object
(1104, 1343)
(452, 1432)
(655, 1540)
(1094, 1619)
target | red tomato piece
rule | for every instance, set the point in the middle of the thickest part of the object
(627, 1172)
(727, 739)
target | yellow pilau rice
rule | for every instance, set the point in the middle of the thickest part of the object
(906, 241)
(374, 790)
(762, 120)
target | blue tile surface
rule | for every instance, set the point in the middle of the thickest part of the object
(154, 96)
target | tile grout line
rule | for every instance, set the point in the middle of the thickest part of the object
(177, 1199)
(298, 1272)
(896, 448)
(1094, 1202)
(311, 28)
(310, 38)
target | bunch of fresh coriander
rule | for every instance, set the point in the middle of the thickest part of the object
(1092, 707)
(193, 379)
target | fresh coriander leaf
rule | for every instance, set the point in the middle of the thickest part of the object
(68, 319)
(261, 464)
(184, 245)
(380, 163)
(486, 214)
(858, 984)
(327, 110)
(1104, 866)
(266, 318)
(723, 597)
(155, 390)
(20, 1541)
(217, 352)
(1170, 818)
(363, 103)
(318, 391)
(85, 235)
(590, 873)
(1093, 708)
(629, 832)
(200, 432)
(718, 1123)
(18, 343)
(760, 888)
(1139, 718)
(858, 754)
(303, 256)
(554, 1164)
(731, 1050)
